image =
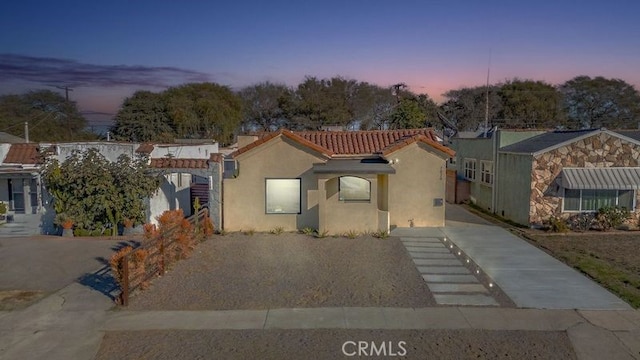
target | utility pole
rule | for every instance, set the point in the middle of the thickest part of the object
(397, 88)
(66, 91)
(26, 131)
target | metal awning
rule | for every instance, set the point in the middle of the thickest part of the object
(612, 178)
(353, 166)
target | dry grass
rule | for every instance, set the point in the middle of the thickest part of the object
(612, 259)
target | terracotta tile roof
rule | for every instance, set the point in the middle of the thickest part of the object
(169, 163)
(290, 135)
(23, 154)
(402, 143)
(355, 142)
(216, 157)
(145, 148)
(362, 142)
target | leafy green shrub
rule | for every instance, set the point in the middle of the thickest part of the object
(97, 232)
(81, 232)
(3, 208)
(321, 234)
(611, 217)
(557, 224)
(582, 221)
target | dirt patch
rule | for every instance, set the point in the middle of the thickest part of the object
(328, 344)
(612, 259)
(263, 271)
(18, 299)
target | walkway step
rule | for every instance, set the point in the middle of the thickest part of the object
(458, 288)
(422, 244)
(438, 262)
(465, 279)
(422, 240)
(432, 255)
(427, 250)
(443, 270)
(474, 299)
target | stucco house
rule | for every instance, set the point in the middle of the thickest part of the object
(560, 173)
(188, 170)
(337, 181)
(20, 178)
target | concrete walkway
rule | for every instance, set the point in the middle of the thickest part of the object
(450, 281)
(529, 276)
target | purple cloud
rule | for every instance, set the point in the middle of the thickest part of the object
(72, 73)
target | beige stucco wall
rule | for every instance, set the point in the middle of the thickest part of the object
(339, 217)
(244, 196)
(419, 179)
(408, 194)
(171, 195)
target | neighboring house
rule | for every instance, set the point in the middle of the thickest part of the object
(337, 181)
(188, 170)
(537, 174)
(476, 155)
(560, 173)
(20, 178)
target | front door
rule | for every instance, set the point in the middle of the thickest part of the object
(16, 195)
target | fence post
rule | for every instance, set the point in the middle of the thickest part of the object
(125, 276)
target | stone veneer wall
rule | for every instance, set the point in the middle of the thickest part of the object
(601, 150)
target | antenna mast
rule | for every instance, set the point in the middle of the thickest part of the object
(486, 110)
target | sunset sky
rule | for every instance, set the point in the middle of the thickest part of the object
(105, 50)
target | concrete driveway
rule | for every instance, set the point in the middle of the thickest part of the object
(528, 275)
(49, 263)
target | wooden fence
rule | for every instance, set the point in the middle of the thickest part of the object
(152, 258)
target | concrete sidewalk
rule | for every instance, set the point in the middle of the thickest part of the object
(593, 334)
(529, 276)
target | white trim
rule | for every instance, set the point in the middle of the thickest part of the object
(472, 169)
(484, 173)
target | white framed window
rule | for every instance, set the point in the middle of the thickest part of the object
(282, 196)
(486, 172)
(470, 169)
(591, 200)
(354, 188)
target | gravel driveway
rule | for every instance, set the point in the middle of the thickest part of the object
(264, 271)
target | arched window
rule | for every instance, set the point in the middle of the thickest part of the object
(354, 189)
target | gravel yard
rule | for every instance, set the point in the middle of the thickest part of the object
(328, 344)
(263, 271)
